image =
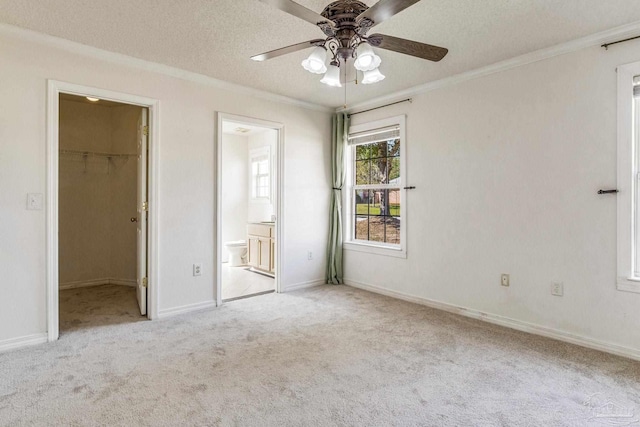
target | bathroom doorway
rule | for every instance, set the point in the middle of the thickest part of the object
(249, 215)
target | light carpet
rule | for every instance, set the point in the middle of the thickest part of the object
(325, 356)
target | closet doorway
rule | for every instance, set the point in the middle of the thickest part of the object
(102, 212)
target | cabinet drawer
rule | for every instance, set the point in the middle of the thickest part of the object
(259, 230)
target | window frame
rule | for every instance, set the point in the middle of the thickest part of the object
(348, 200)
(628, 273)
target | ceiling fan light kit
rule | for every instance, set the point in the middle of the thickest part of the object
(315, 63)
(332, 76)
(366, 59)
(372, 76)
(345, 24)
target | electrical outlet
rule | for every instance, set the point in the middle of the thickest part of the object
(309, 255)
(197, 269)
(504, 280)
(557, 289)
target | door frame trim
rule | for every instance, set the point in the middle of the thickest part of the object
(54, 89)
(280, 177)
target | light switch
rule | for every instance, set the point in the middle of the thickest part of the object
(34, 201)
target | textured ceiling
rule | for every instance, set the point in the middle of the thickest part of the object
(217, 37)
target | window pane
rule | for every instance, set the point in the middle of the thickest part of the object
(378, 149)
(362, 202)
(394, 202)
(393, 148)
(376, 229)
(374, 202)
(377, 215)
(392, 230)
(394, 169)
(379, 171)
(362, 152)
(361, 228)
(362, 172)
(263, 167)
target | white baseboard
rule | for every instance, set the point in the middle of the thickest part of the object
(504, 321)
(123, 282)
(15, 343)
(96, 282)
(186, 309)
(304, 285)
(83, 284)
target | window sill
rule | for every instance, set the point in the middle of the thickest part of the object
(629, 284)
(375, 249)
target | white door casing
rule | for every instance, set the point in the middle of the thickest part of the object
(152, 106)
(142, 211)
(279, 196)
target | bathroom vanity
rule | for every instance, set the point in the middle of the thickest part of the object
(261, 246)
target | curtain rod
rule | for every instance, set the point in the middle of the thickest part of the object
(382, 106)
(606, 45)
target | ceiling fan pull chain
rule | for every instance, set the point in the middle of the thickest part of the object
(346, 83)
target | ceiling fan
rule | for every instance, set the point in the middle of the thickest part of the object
(345, 24)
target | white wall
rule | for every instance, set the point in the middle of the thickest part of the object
(507, 168)
(235, 189)
(259, 210)
(186, 176)
(84, 192)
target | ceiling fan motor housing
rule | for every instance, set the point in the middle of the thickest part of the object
(344, 13)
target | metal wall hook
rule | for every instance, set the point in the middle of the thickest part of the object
(607, 191)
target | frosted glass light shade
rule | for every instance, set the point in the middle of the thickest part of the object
(315, 62)
(372, 76)
(332, 77)
(366, 59)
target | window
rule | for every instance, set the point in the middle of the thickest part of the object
(375, 194)
(629, 178)
(260, 176)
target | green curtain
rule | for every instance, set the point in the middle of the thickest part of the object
(339, 136)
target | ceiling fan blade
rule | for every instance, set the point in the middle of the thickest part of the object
(408, 47)
(299, 11)
(384, 10)
(286, 50)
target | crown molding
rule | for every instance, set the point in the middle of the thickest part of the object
(154, 67)
(597, 39)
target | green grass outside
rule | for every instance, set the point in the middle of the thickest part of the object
(361, 209)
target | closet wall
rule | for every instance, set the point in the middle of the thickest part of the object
(97, 194)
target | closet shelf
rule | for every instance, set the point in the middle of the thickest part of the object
(95, 154)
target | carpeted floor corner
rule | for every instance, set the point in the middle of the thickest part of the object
(325, 356)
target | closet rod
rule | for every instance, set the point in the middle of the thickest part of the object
(95, 154)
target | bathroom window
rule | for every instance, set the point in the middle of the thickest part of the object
(260, 174)
(376, 195)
